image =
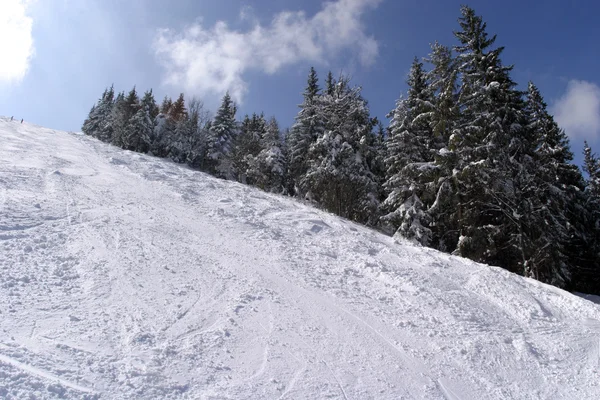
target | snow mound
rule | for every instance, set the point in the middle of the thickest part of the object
(126, 276)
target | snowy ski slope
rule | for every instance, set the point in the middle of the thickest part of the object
(125, 276)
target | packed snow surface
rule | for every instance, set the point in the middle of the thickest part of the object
(126, 276)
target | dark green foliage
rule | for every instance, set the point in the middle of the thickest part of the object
(220, 139)
(591, 165)
(489, 143)
(304, 132)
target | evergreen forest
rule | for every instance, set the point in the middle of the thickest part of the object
(466, 164)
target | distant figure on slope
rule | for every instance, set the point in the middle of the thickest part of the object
(21, 120)
(11, 118)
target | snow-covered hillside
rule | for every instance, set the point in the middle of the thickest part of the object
(126, 276)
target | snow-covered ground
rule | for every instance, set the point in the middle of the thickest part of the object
(126, 276)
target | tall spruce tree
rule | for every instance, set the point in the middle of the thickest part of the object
(410, 162)
(197, 125)
(267, 169)
(99, 122)
(553, 217)
(338, 176)
(487, 151)
(442, 80)
(591, 166)
(307, 127)
(125, 108)
(444, 118)
(165, 107)
(139, 131)
(220, 140)
(587, 275)
(179, 144)
(247, 145)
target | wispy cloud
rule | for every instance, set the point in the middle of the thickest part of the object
(16, 40)
(578, 110)
(214, 60)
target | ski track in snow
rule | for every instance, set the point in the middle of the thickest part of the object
(126, 276)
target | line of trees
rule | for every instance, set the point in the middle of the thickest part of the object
(468, 164)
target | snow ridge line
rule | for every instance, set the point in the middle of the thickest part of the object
(448, 393)
(44, 374)
(336, 379)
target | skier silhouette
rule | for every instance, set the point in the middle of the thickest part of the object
(21, 120)
(11, 118)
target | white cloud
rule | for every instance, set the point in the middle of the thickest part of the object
(578, 110)
(215, 60)
(16, 42)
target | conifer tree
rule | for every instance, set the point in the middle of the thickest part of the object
(177, 110)
(489, 146)
(443, 119)
(442, 80)
(587, 274)
(338, 176)
(307, 127)
(165, 107)
(119, 119)
(197, 122)
(330, 84)
(591, 166)
(179, 143)
(220, 140)
(410, 162)
(247, 145)
(374, 150)
(164, 131)
(139, 130)
(99, 122)
(551, 198)
(267, 169)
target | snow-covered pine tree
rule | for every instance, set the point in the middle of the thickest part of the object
(338, 176)
(139, 130)
(586, 276)
(553, 199)
(330, 84)
(591, 166)
(164, 130)
(177, 110)
(442, 81)
(165, 107)
(488, 151)
(197, 121)
(117, 119)
(267, 169)
(443, 119)
(220, 139)
(410, 162)
(307, 127)
(99, 123)
(125, 108)
(375, 155)
(179, 144)
(247, 145)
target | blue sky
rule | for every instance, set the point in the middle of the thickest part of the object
(59, 55)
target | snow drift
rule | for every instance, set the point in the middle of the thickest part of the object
(126, 276)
